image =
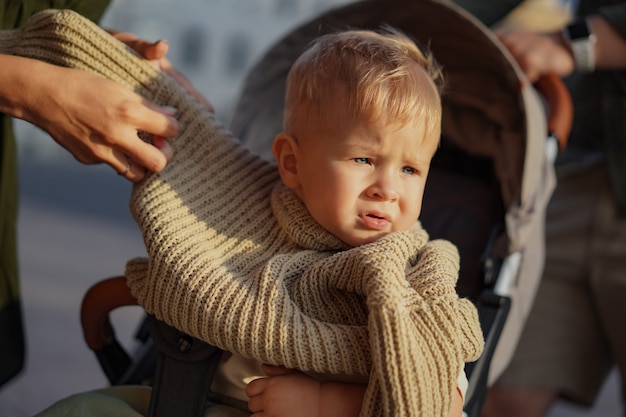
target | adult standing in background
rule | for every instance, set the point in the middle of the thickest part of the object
(574, 334)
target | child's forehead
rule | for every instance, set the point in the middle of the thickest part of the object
(371, 134)
(370, 124)
(344, 113)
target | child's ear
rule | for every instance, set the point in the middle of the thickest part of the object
(285, 149)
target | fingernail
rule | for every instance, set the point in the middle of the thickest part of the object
(167, 150)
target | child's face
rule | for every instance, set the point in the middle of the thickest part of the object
(364, 182)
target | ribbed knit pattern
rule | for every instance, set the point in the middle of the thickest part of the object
(235, 259)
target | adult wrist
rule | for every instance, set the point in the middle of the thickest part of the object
(19, 78)
(581, 40)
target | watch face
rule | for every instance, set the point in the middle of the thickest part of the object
(578, 30)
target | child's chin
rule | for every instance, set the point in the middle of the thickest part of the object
(371, 238)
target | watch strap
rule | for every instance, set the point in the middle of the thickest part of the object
(580, 38)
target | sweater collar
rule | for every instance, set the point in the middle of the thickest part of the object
(294, 218)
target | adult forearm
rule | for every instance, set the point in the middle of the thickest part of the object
(21, 79)
(610, 47)
(540, 53)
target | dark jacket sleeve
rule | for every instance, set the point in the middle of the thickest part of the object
(616, 16)
(13, 14)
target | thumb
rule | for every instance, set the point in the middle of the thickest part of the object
(156, 50)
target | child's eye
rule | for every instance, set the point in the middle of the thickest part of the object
(364, 161)
(409, 171)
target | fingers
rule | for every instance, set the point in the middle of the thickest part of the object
(164, 146)
(254, 391)
(97, 121)
(148, 156)
(154, 119)
(152, 154)
(151, 51)
(148, 147)
(154, 51)
(148, 50)
(135, 172)
(256, 405)
(125, 167)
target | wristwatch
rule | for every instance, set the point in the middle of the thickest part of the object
(581, 40)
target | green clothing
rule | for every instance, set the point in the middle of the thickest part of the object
(14, 13)
(599, 97)
(122, 401)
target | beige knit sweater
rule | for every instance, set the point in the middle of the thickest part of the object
(235, 259)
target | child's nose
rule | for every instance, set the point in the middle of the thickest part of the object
(383, 189)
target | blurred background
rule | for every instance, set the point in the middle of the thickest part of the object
(74, 226)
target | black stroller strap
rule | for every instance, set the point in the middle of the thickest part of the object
(184, 372)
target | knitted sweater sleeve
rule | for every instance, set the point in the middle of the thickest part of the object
(420, 333)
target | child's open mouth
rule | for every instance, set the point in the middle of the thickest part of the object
(375, 221)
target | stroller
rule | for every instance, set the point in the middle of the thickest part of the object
(489, 183)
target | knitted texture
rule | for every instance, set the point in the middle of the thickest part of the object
(235, 259)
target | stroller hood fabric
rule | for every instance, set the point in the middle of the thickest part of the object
(267, 288)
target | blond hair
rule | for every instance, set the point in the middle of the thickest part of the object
(376, 75)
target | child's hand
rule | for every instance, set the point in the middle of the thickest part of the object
(284, 392)
(457, 404)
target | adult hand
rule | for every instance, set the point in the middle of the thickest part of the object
(538, 53)
(541, 53)
(98, 120)
(156, 52)
(95, 119)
